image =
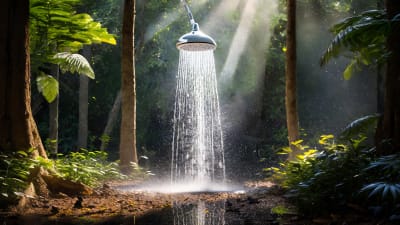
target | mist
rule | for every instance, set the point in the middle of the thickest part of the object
(327, 102)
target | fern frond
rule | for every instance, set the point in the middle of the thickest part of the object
(362, 34)
(73, 63)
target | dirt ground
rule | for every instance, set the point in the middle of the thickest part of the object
(106, 205)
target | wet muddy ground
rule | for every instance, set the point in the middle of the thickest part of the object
(262, 203)
(110, 206)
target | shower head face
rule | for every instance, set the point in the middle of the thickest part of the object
(196, 41)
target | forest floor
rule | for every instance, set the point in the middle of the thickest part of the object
(263, 203)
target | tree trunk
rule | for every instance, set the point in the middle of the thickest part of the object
(53, 117)
(112, 118)
(389, 133)
(127, 146)
(18, 129)
(290, 76)
(83, 104)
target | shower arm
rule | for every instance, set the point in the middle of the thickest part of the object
(191, 18)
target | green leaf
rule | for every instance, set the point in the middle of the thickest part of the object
(48, 86)
(74, 63)
(363, 35)
(360, 126)
(22, 153)
(350, 69)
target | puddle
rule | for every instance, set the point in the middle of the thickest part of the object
(205, 213)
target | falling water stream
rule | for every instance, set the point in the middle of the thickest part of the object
(197, 148)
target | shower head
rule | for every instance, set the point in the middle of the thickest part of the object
(196, 40)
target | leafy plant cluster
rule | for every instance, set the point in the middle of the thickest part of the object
(14, 172)
(340, 175)
(363, 37)
(87, 167)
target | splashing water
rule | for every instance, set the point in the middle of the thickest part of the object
(197, 147)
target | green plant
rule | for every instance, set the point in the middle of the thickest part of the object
(383, 187)
(280, 210)
(364, 36)
(88, 167)
(325, 179)
(14, 171)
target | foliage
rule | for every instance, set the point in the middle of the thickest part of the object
(383, 186)
(87, 167)
(313, 179)
(57, 31)
(56, 26)
(73, 63)
(48, 86)
(342, 172)
(360, 126)
(14, 171)
(364, 36)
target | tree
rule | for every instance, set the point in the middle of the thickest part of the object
(18, 129)
(127, 147)
(389, 129)
(292, 119)
(83, 104)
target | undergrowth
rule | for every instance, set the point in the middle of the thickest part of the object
(87, 167)
(340, 175)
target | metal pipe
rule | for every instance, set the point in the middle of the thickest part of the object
(189, 12)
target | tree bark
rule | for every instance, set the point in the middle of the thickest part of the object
(292, 119)
(53, 116)
(18, 129)
(127, 146)
(389, 134)
(83, 104)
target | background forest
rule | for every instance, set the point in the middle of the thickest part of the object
(346, 95)
(250, 64)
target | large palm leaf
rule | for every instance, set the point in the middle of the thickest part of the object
(68, 62)
(73, 63)
(363, 36)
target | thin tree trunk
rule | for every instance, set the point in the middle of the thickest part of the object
(127, 146)
(389, 133)
(380, 75)
(83, 104)
(18, 129)
(112, 119)
(292, 119)
(53, 117)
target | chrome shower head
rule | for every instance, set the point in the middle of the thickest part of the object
(196, 40)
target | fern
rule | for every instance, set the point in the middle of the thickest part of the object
(73, 63)
(364, 36)
(383, 190)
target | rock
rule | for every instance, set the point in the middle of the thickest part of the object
(54, 210)
(78, 203)
(252, 200)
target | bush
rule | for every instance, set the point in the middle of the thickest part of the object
(87, 167)
(334, 176)
(14, 171)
